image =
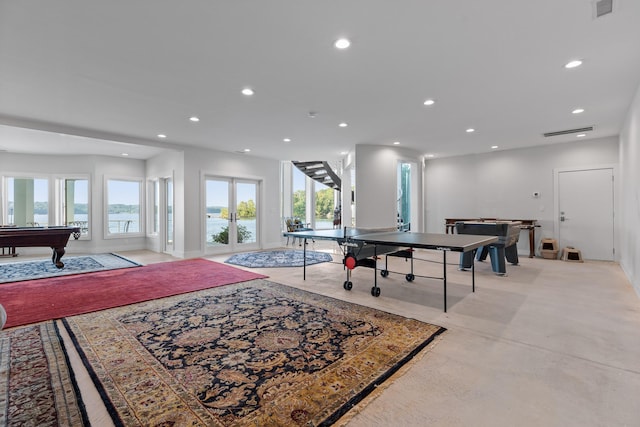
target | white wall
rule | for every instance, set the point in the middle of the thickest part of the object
(207, 162)
(501, 183)
(97, 167)
(630, 203)
(348, 165)
(170, 165)
(187, 169)
(377, 186)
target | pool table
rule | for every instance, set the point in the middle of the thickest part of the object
(28, 237)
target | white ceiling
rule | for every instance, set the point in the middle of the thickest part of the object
(127, 71)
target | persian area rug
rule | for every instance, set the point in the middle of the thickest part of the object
(289, 258)
(251, 354)
(37, 387)
(45, 299)
(38, 269)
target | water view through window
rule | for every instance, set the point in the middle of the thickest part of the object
(123, 206)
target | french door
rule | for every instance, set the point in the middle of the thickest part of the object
(231, 214)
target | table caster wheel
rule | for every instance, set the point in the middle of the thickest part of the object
(410, 277)
(384, 273)
(375, 291)
(347, 285)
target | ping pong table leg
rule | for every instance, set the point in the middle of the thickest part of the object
(473, 273)
(348, 285)
(385, 272)
(375, 291)
(444, 275)
(413, 276)
(304, 260)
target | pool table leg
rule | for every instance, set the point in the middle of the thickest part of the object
(57, 254)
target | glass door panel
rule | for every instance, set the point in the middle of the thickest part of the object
(217, 212)
(404, 196)
(245, 218)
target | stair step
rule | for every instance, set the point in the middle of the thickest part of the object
(321, 172)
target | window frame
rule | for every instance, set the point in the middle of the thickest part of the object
(142, 209)
(153, 203)
(4, 194)
(60, 201)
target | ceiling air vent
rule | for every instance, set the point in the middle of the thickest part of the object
(568, 131)
(602, 7)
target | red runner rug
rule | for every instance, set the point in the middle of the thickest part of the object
(45, 299)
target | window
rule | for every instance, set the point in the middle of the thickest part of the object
(169, 213)
(27, 202)
(73, 203)
(153, 191)
(299, 195)
(407, 191)
(325, 206)
(308, 198)
(124, 213)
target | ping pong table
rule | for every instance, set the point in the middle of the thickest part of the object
(361, 247)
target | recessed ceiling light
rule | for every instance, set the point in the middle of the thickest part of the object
(429, 102)
(344, 153)
(578, 111)
(573, 64)
(396, 142)
(246, 150)
(430, 156)
(493, 147)
(342, 43)
(162, 135)
(470, 130)
(343, 125)
(247, 91)
(580, 135)
(287, 140)
(124, 154)
(194, 119)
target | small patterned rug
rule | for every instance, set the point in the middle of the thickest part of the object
(39, 269)
(289, 258)
(37, 386)
(251, 354)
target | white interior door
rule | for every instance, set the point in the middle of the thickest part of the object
(585, 212)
